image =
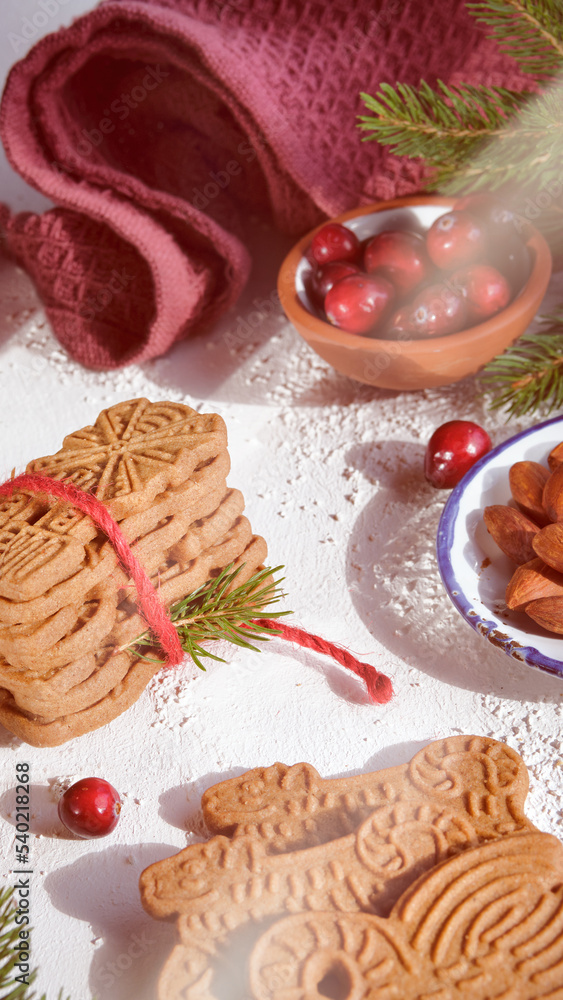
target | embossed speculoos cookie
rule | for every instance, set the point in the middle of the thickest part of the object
(239, 548)
(64, 636)
(486, 924)
(151, 534)
(78, 686)
(39, 677)
(41, 732)
(67, 608)
(43, 696)
(291, 843)
(134, 452)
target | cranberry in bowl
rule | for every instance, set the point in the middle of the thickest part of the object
(402, 349)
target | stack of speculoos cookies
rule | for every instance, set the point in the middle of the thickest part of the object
(67, 608)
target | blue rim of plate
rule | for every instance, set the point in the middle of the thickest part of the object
(494, 631)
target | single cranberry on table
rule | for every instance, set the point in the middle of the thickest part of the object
(90, 808)
(485, 290)
(358, 302)
(452, 450)
(320, 281)
(436, 311)
(401, 257)
(334, 242)
(456, 238)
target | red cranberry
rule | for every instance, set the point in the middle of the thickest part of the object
(90, 808)
(455, 239)
(321, 281)
(485, 207)
(358, 302)
(434, 312)
(484, 288)
(453, 448)
(400, 257)
(401, 325)
(511, 257)
(334, 242)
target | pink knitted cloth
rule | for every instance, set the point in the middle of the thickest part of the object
(157, 126)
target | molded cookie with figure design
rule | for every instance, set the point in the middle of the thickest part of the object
(484, 925)
(66, 606)
(287, 841)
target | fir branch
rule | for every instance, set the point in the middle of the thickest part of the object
(437, 126)
(9, 934)
(531, 31)
(472, 137)
(217, 611)
(530, 373)
(525, 154)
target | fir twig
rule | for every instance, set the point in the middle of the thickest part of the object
(217, 611)
(531, 31)
(443, 125)
(9, 933)
(530, 373)
(472, 137)
(525, 154)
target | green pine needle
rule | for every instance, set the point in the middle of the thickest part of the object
(494, 139)
(9, 933)
(475, 138)
(217, 612)
(442, 126)
(531, 31)
(530, 373)
(525, 154)
(472, 137)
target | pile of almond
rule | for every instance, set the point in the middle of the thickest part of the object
(532, 536)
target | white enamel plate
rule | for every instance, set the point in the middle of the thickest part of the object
(474, 570)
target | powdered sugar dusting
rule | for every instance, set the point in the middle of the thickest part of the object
(332, 476)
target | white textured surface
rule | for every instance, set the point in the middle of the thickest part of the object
(332, 474)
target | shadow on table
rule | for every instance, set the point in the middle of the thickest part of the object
(43, 813)
(181, 806)
(102, 890)
(7, 739)
(269, 365)
(253, 355)
(396, 588)
(18, 298)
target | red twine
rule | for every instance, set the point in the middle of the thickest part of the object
(149, 603)
(379, 686)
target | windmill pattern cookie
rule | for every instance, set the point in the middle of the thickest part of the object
(135, 451)
(293, 843)
(67, 608)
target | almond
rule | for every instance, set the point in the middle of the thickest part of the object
(547, 612)
(531, 581)
(527, 481)
(548, 545)
(555, 457)
(512, 531)
(553, 495)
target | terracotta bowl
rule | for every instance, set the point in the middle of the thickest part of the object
(413, 364)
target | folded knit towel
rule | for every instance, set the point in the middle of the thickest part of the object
(157, 126)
